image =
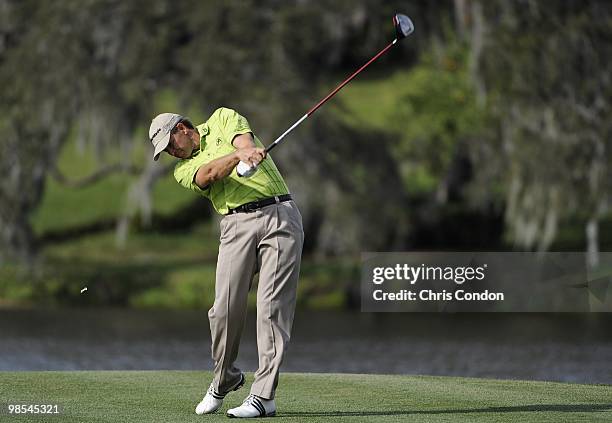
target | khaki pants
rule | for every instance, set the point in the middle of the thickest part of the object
(268, 241)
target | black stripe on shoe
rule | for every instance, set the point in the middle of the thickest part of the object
(259, 406)
(216, 395)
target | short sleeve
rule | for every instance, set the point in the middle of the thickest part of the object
(232, 123)
(184, 173)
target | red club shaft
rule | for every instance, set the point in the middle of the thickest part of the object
(330, 95)
(347, 80)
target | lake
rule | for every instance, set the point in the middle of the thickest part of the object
(560, 347)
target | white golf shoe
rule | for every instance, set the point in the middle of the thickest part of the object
(253, 406)
(213, 400)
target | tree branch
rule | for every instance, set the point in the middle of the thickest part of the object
(94, 177)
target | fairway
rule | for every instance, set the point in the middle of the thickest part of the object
(170, 396)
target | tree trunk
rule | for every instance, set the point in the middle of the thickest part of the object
(139, 199)
(592, 236)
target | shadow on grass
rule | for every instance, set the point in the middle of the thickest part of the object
(564, 408)
(180, 221)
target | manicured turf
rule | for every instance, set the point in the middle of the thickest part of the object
(170, 396)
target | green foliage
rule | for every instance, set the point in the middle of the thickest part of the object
(190, 288)
(153, 270)
(64, 207)
(99, 71)
(430, 109)
(80, 82)
(436, 109)
(324, 285)
(546, 69)
(14, 290)
(113, 276)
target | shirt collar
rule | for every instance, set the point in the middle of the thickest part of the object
(203, 131)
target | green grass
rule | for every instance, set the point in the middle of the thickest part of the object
(170, 396)
(354, 106)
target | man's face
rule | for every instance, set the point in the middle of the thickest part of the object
(181, 145)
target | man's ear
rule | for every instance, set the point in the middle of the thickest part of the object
(182, 127)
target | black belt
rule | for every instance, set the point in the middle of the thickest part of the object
(254, 205)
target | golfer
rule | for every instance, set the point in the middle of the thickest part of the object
(261, 232)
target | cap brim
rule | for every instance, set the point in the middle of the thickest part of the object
(161, 146)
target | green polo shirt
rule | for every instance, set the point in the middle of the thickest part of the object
(216, 135)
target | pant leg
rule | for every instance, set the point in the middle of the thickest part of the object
(236, 266)
(279, 254)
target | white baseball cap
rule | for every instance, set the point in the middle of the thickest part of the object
(159, 131)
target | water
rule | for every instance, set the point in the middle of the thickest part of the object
(565, 347)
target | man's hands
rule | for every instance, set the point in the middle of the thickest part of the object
(249, 157)
(252, 156)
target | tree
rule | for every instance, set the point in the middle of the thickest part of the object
(545, 68)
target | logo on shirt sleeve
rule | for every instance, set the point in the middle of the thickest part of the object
(242, 124)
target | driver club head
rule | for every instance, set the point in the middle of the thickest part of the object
(403, 26)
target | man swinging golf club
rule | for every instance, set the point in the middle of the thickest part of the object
(261, 232)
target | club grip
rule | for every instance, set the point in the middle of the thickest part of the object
(244, 170)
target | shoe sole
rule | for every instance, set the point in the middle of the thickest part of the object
(231, 416)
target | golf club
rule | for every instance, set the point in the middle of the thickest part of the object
(403, 27)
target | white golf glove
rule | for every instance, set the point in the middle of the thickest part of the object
(244, 170)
